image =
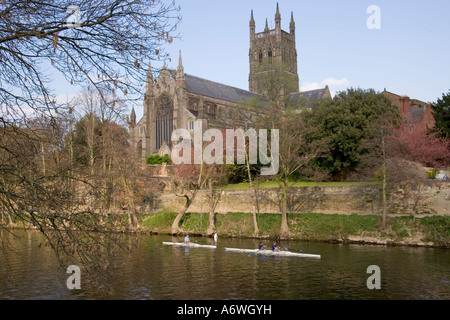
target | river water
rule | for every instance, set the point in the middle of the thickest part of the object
(157, 271)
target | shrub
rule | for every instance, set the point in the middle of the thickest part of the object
(432, 173)
(157, 159)
(437, 229)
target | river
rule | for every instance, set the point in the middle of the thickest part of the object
(156, 271)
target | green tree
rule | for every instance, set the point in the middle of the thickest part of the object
(441, 113)
(345, 120)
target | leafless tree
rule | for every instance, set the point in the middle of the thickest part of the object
(382, 161)
(296, 150)
(103, 44)
(186, 181)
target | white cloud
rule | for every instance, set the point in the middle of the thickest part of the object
(65, 98)
(333, 84)
(336, 82)
(310, 86)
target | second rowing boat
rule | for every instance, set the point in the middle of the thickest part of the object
(278, 253)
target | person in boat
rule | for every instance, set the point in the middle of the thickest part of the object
(262, 246)
(275, 247)
(186, 239)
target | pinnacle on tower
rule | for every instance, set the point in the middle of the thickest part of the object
(278, 18)
(292, 24)
(132, 118)
(252, 25)
(149, 73)
(180, 69)
(149, 81)
(266, 29)
(252, 21)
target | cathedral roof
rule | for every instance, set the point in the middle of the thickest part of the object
(310, 96)
(216, 90)
(225, 92)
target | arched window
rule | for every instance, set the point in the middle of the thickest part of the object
(269, 54)
(164, 122)
(260, 56)
(191, 124)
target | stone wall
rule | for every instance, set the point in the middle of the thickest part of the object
(362, 199)
(324, 199)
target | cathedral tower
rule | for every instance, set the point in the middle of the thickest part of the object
(270, 50)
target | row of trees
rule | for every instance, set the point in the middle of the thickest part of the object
(64, 167)
(69, 175)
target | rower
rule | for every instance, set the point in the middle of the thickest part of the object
(275, 247)
(262, 246)
(186, 239)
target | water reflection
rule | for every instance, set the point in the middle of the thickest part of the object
(155, 271)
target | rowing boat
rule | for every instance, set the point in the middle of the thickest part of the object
(277, 253)
(190, 245)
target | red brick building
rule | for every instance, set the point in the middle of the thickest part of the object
(413, 111)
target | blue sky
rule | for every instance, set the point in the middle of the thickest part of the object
(409, 54)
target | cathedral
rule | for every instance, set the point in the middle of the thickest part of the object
(176, 99)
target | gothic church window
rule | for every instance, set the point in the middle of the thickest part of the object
(211, 109)
(164, 122)
(193, 104)
(191, 124)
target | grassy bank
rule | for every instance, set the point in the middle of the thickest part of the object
(433, 231)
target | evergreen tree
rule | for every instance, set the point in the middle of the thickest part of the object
(345, 120)
(441, 113)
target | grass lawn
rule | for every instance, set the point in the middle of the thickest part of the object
(274, 184)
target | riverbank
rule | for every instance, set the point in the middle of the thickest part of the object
(405, 230)
(430, 231)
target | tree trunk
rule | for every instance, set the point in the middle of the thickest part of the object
(383, 218)
(11, 222)
(212, 226)
(254, 200)
(283, 207)
(255, 220)
(43, 159)
(176, 223)
(132, 219)
(90, 144)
